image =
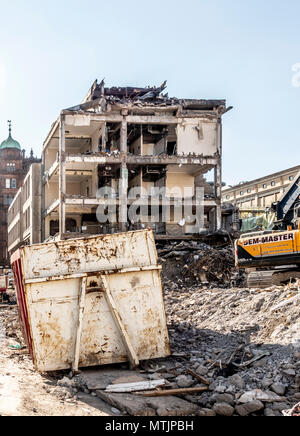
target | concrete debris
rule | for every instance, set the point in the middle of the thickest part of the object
(184, 381)
(116, 411)
(140, 406)
(127, 403)
(194, 264)
(11, 323)
(223, 398)
(223, 409)
(206, 412)
(135, 387)
(67, 383)
(100, 379)
(247, 354)
(258, 394)
(248, 408)
(278, 388)
(169, 392)
(223, 336)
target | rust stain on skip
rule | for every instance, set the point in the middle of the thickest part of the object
(135, 281)
(50, 340)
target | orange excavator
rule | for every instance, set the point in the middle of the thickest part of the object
(273, 257)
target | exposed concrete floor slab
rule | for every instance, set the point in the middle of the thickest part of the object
(142, 406)
(100, 378)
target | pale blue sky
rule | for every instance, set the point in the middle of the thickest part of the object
(51, 51)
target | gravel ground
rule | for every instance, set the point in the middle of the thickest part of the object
(243, 344)
(240, 340)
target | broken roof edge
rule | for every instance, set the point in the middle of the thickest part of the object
(150, 98)
(89, 93)
(168, 105)
(137, 96)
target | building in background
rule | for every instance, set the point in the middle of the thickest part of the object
(24, 214)
(13, 167)
(255, 197)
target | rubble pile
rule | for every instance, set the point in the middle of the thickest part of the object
(9, 323)
(244, 342)
(194, 264)
(240, 346)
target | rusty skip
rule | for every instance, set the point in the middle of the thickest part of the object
(92, 301)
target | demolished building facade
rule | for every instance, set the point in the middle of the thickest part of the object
(119, 141)
(123, 138)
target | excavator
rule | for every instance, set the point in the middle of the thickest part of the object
(273, 257)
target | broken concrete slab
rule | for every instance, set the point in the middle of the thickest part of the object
(100, 378)
(140, 406)
(172, 406)
(96, 403)
(133, 405)
(258, 394)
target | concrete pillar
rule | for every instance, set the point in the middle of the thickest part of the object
(94, 181)
(103, 133)
(95, 141)
(218, 195)
(62, 178)
(212, 220)
(218, 176)
(123, 183)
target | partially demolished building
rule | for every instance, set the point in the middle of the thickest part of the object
(115, 151)
(123, 138)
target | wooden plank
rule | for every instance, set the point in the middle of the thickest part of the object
(197, 376)
(133, 358)
(79, 325)
(135, 387)
(169, 392)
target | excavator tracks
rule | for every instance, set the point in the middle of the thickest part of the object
(275, 277)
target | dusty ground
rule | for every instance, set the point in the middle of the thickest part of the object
(244, 343)
(24, 392)
(240, 340)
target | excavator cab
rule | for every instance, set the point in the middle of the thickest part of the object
(296, 219)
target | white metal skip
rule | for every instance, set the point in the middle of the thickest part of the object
(92, 301)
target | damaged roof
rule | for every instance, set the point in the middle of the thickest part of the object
(149, 96)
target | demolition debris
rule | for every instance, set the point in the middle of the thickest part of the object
(233, 355)
(194, 264)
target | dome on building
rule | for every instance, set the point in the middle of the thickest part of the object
(10, 142)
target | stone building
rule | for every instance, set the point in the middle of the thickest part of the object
(13, 167)
(24, 214)
(258, 195)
